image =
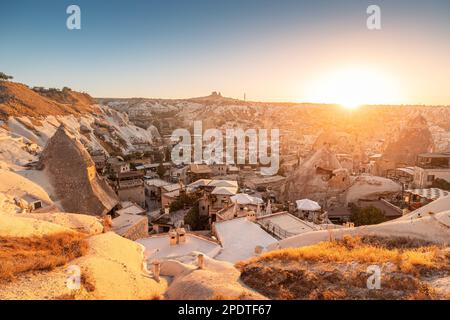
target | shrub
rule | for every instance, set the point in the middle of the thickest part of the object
(5, 77)
(19, 255)
(366, 216)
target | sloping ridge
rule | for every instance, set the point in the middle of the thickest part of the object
(18, 100)
(73, 176)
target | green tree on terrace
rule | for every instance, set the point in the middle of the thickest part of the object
(161, 170)
(5, 77)
(441, 184)
(195, 220)
(366, 216)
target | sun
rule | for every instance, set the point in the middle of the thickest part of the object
(350, 105)
(353, 87)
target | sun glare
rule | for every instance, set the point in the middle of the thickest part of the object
(353, 87)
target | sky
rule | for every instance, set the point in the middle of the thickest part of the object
(284, 50)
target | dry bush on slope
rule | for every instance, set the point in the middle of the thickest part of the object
(355, 249)
(19, 255)
(338, 270)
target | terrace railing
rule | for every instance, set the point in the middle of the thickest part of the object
(275, 230)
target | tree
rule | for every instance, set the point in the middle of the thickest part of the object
(366, 216)
(161, 171)
(183, 201)
(167, 154)
(195, 220)
(441, 184)
(5, 77)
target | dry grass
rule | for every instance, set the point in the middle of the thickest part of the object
(242, 296)
(408, 258)
(106, 221)
(26, 102)
(19, 255)
(338, 270)
(67, 296)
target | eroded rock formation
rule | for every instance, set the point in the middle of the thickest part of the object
(72, 174)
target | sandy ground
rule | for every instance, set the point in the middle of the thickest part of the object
(79, 222)
(218, 280)
(113, 268)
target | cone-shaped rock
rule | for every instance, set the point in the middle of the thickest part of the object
(73, 176)
(414, 139)
(318, 178)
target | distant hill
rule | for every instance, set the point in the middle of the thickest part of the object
(17, 99)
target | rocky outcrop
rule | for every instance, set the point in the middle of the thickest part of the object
(17, 99)
(72, 174)
(371, 188)
(415, 138)
(318, 178)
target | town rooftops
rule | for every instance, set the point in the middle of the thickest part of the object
(266, 180)
(151, 165)
(239, 238)
(389, 210)
(439, 205)
(171, 187)
(130, 174)
(158, 246)
(408, 170)
(200, 169)
(429, 193)
(200, 183)
(287, 222)
(245, 199)
(171, 194)
(126, 224)
(214, 183)
(156, 183)
(131, 208)
(223, 183)
(339, 212)
(226, 191)
(171, 219)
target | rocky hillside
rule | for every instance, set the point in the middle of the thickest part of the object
(414, 138)
(341, 269)
(362, 132)
(29, 117)
(18, 100)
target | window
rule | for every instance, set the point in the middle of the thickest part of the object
(430, 178)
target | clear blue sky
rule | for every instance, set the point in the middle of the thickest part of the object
(184, 48)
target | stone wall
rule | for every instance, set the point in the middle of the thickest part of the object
(138, 230)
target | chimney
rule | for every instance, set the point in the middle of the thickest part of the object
(173, 237)
(292, 207)
(201, 261)
(156, 269)
(258, 250)
(251, 216)
(181, 232)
